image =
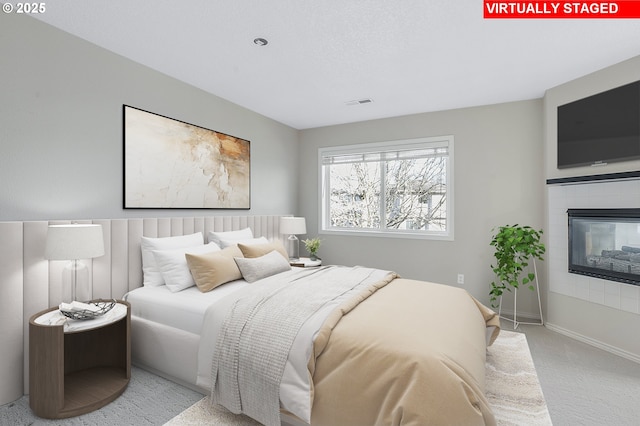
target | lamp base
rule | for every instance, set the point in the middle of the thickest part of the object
(75, 282)
(293, 248)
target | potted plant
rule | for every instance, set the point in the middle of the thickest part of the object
(514, 246)
(312, 245)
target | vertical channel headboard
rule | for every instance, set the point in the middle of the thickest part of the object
(29, 283)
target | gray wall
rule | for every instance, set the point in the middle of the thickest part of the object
(61, 128)
(609, 328)
(498, 179)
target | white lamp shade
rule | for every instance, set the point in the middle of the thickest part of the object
(75, 241)
(293, 225)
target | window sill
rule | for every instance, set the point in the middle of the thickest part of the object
(389, 234)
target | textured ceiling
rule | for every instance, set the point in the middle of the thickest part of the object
(408, 56)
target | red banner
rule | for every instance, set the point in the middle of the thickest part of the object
(625, 9)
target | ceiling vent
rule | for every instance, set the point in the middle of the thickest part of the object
(359, 102)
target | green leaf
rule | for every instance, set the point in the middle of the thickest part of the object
(514, 245)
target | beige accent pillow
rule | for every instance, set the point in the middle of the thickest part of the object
(262, 267)
(211, 270)
(257, 250)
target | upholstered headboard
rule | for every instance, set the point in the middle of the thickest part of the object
(29, 283)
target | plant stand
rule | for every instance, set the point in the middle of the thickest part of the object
(515, 321)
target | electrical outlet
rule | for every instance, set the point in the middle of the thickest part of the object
(460, 278)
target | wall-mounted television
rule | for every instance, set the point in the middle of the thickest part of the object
(600, 129)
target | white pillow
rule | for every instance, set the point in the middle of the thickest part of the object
(246, 242)
(152, 275)
(174, 268)
(243, 234)
(256, 268)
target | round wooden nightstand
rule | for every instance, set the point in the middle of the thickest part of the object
(80, 367)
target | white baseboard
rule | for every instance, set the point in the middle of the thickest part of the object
(598, 344)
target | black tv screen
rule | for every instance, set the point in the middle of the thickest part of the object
(600, 129)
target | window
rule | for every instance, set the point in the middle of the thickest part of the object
(400, 188)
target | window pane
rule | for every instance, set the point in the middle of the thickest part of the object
(354, 195)
(415, 194)
(401, 189)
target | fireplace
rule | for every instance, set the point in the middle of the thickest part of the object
(605, 243)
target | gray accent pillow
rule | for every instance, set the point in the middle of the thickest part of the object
(254, 269)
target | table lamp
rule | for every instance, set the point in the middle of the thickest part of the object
(75, 242)
(293, 226)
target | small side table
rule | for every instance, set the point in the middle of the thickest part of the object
(305, 262)
(78, 367)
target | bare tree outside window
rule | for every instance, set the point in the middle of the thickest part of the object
(355, 195)
(416, 193)
(404, 189)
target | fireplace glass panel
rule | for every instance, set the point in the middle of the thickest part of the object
(603, 246)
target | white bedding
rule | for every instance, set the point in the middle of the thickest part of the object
(184, 310)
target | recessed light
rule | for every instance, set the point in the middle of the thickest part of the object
(261, 41)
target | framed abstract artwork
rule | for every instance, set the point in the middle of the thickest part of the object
(170, 164)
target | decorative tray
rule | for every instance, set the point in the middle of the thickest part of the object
(99, 308)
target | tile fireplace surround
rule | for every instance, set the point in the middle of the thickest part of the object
(591, 195)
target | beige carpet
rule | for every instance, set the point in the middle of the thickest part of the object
(513, 391)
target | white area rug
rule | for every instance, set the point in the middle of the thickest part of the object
(512, 388)
(512, 385)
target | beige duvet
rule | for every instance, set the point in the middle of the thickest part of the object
(413, 354)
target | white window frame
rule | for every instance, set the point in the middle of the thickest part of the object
(426, 142)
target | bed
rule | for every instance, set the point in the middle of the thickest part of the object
(356, 346)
